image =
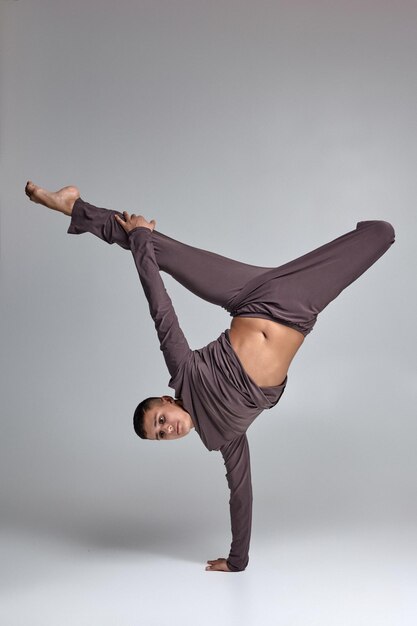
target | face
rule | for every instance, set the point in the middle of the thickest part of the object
(167, 420)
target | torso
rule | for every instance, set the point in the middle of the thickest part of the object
(265, 348)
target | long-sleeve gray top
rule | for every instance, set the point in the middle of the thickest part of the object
(215, 390)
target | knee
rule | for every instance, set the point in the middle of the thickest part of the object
(383, 230)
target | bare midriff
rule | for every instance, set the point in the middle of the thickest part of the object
(265, 348)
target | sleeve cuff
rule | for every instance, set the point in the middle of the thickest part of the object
(138, 228)
(233, 568)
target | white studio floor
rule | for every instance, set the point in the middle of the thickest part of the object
(334, 578)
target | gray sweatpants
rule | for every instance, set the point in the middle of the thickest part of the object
(292, 294)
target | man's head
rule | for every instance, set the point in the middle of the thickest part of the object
(162, 419)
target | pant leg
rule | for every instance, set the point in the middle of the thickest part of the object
(292, 294)
(87, 218)
(295, 293)
(210, 276)
(215, 278)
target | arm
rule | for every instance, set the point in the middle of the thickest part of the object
(237, 461)
(172, 341)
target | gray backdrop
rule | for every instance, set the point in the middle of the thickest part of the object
(258, 130)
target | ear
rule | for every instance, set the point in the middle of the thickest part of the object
(167, 398)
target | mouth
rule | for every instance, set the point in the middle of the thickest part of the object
(178, 428)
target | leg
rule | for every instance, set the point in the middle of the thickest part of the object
(292, 294)
(210, 276)
(215, 278)
(298, 291)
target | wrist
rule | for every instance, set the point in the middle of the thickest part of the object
(135, 228)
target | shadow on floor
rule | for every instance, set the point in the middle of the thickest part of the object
(186, 541)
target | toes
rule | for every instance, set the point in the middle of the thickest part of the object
(29, 187)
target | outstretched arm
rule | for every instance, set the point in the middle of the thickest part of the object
(237, 461)
(172, 341)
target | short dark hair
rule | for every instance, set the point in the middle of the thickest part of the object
(139, 414)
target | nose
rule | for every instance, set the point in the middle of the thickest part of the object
(169, 429)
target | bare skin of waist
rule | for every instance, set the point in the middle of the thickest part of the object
(265, 348)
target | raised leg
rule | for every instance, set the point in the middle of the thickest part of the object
(292, 294)
(296, 292)
(210, 276)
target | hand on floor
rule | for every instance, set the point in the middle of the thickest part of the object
(218, 565)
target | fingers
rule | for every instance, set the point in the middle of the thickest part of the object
(133, 220)
(119, 219)
(217, 565)
(216, 568)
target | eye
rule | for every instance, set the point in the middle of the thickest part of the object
(161, 419)
(161, 435)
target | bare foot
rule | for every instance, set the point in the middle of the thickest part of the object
(62, 200)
